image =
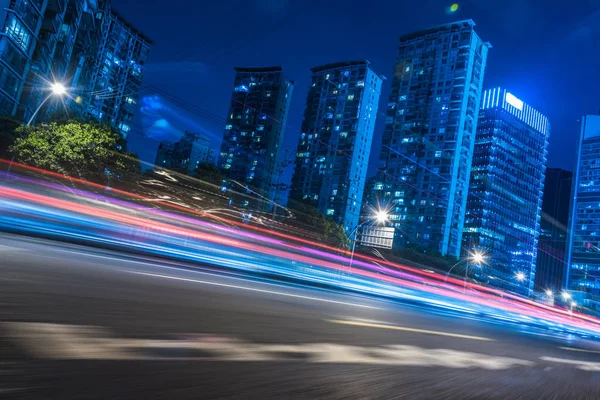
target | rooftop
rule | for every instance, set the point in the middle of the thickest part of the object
(452, 25)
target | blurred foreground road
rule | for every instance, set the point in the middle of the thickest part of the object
(80, 323)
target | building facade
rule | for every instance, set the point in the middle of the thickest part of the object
(337, 133)
(118, 72)
(186, 155)
(256, 122)
(584, 218)
(506, 188)
(551, 265)
(429, 135)
(66, 41)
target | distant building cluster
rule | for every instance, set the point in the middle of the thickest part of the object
(185, 155)
(461, 171)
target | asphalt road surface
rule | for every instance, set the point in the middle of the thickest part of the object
(81, 323)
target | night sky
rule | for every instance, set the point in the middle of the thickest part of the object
(546, 53)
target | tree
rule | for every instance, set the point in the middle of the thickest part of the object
(316, 221)
(208, 172)
(88, 150)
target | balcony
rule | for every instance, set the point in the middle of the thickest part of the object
(51, 24)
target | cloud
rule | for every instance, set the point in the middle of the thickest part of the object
(164, 121)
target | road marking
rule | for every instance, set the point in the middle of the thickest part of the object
(64, 342)
(583, 365)
(579, 350)
(406, 329)
(254, 290)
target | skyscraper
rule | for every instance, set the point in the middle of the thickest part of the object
(584, 217)
(335, 143)
(118, 72)
(551, 265)
(255, 125)
(505, 191)
(429, 135)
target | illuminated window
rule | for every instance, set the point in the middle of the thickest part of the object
(16, 31)
(330, 211)
(350, 97)
(402, 97)
(360, 84)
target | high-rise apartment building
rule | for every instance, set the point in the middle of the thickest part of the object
(256, 122)
(335, 143)
(118, 72)
(429, 135)
(185, 155)
(505, 191)
(551, 265)
(584, 217)
(69, 41)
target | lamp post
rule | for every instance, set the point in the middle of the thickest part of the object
(474, 258)
(379, 217)
(56, 89)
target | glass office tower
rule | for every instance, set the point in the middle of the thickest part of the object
(255, 125)
(335, 143)
(584, 222)
(430, 133)
(505, 190)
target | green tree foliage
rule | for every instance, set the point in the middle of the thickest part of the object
(313, 219)
(208, 172)
(88, 150)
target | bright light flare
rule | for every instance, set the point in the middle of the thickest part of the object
(58, 89)
(381, 216)
(454, 7)
(477, 258)
(520, 276)
(549, 293)
(566, 295)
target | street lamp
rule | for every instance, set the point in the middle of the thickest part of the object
(475, 258)
(56, 89)
(549, 293)
(380, 216)
(566, 296)
(520, 276)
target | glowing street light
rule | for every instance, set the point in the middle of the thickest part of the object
(549, 293)
(477, 258)
(566, 296)
(520, 276)
(56, 89)
(381, 216)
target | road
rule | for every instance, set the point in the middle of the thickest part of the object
(84, 323)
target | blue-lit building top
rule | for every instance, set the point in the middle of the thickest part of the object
(335, 143)
(506, 188)
(251, 146)
(584, 223)
(429, 135)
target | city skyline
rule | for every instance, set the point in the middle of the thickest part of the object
(209, 66)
